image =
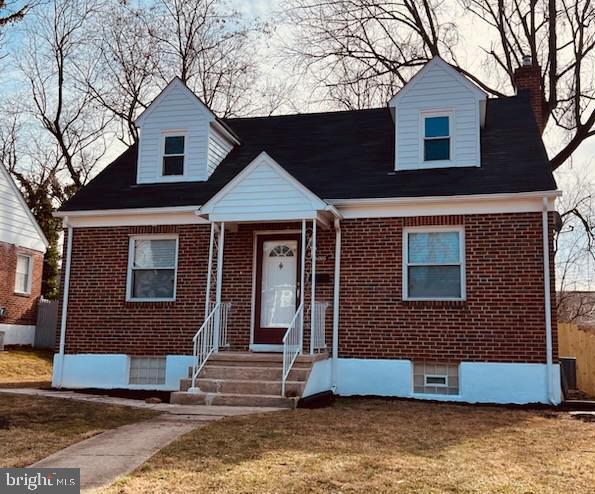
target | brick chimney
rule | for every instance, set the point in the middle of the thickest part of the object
(528, 77)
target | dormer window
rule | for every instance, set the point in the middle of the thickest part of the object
(173, 155)
(436, 145)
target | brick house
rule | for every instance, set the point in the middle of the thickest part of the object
(397, 251)
(22, 247)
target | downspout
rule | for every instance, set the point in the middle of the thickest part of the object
(548, 304)
(336, 291)
(65, 301)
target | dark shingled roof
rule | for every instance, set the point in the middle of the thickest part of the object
(344, 155)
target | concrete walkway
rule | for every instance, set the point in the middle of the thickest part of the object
(111, 454)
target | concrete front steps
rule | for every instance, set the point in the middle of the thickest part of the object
(247, 379)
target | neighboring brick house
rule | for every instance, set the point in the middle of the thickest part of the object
(404, 246)
(22, 247)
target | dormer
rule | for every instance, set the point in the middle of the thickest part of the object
(180, 138)
(438, 115)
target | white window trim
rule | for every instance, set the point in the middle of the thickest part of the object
(131, 240)
(422, 133)
(173, 133)
(429, 229)
(436, 385)
(29, 275)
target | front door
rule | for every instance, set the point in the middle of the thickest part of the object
(277, 287)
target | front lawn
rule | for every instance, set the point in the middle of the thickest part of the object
(25, 366)
(372, 446)
(32, 428)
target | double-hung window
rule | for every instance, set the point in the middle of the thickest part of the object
(152, 266)
(173, 155)
(436, 145)
(22, 280)
(434, 267)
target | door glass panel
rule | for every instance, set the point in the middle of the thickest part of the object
(278, 289)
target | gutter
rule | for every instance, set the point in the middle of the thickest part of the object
(336, 293)
(550, 382)
(431, 199)
(65, 301)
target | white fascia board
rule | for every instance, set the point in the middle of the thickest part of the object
(224, 132)
(479, 93)
(445, 205)
(317, 202)
(175, 83)
(129, 211)
(43, 243)
(184, 215)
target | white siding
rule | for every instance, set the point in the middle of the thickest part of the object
(263, 191)
(438, 89)
(177, 111)
(17, 226)
(219, 148)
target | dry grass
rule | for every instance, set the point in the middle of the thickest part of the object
(372, 446)
(32, 428)
(25, 366)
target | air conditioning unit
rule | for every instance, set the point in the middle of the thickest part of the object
(2, 311)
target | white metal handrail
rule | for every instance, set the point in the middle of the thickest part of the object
(292, 344)
(211, 335)
(319, 326)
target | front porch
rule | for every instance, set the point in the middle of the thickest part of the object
(262, 288)
(263, 304)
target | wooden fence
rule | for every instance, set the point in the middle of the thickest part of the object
(574, 342)
(47, 320)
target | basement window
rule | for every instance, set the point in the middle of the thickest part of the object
(173, 156)
(147, 370)
(435, 378)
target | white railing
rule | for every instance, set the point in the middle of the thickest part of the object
(292, 344)
(318, 333)
(205, 340)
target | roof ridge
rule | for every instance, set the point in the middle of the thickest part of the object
(289, 115)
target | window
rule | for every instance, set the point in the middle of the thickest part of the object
(436, 138)
(173, 155)
(433, 264)
(435, 378)
(22, 282)
(152, 268)
(147, 370)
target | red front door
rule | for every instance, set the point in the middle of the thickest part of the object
(277, 286)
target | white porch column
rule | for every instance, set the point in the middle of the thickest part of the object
(220, 249)
(210, 270)
(313, 286)
(302, 280)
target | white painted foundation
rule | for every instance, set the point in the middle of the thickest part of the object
(111, 372)
(18, 334)
(480, 382)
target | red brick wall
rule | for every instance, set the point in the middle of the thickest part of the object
(502, 319)
(20, 309)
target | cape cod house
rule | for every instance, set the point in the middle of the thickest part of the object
(22, 247)
(397, 251)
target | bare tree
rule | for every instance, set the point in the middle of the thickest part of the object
(126, 79)
(382, 42)
(39, 185)
(208, 46)
(57, 57)
(574, 248)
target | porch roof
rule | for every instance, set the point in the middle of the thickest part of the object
(263, 191)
